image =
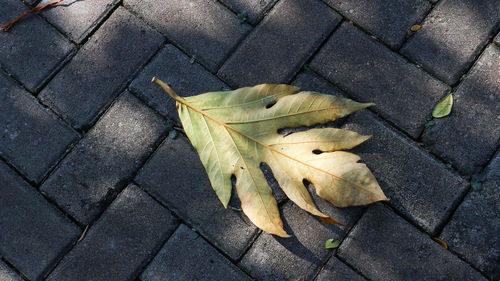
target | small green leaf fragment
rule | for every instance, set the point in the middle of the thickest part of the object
(172, 134)
(429, 124)
(443, 108)
(476, 185)
(243, 17)
(332, 244)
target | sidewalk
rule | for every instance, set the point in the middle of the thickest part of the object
(94, 187)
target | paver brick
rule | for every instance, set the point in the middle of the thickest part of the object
(280, 44)
(204, 29)
(382, 246)
(416, 184)
(186, 256)
(78, 18)
(31, 50)
(32, 139)
(452, 36)
(7, 274)
(497, 39)
(175, 176)
(337, 270)
(301, 256)
(370, 72)
(175, 68)
(121, 242)
(388, 20)
(101, 68)
(474, 228)
(470, 135)
(255, 9)
(104, 161)
(34, 233)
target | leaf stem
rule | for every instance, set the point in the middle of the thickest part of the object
(167, 89)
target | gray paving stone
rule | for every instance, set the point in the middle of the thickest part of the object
(280, 44)
(383, 246)
(388, 20)
(337, 270)
(416, 184)
(301, 256)
(104, 161)
(176, 177)
(7, 274)
(370, 72)
(309, 81)
(31, 50)
(452, 36)
(77, 18)
(471, 134)
(84, 87)
(175, 68)
(255, 9)
(31, 138)
(497, 39)
(204, 29)
(121, 242)
(194, 259)
(474, 228)
(33, 233)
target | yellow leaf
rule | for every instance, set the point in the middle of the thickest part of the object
(443, 108)
(235, 131)
(415, 27)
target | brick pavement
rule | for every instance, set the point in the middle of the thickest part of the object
(93, 188)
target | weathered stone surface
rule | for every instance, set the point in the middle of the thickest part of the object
(194, 259)
(497, 39)
(122, 241)
(101, 68)
(78, 18)
(33, 233)
(301, 256)
(31, 137)
(175, 176)
(88, 179)
(471, 134)
(204, 29)
(337, 270)
(474, 228)
(280, 44)
(382, 246)
(7, 274)
(416, 184)
(186, 78)
(370, 72)
(309, 81)
(388, 20)
(254, 9)
(452, 35)
(31, 50)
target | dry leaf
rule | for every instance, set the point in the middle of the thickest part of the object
(415, 27)
(235, 131)
(440, 242)
(443, 108)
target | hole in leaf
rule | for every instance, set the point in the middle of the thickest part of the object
(270, 104)
(317, 151)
